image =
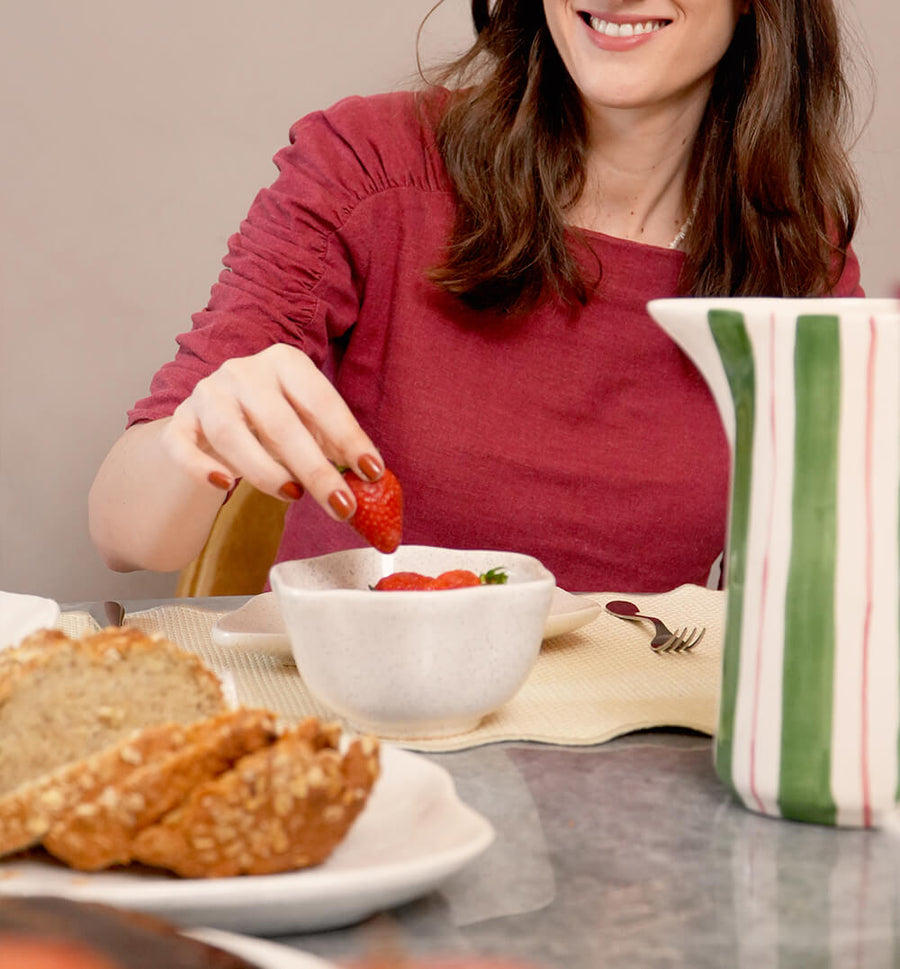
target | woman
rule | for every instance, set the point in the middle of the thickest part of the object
(470, 267)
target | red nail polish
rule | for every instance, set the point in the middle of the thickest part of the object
(370, 466)
(291, 491)
(219, 480)
(340, 504)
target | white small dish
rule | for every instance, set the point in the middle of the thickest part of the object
(413, 834)
(568, 613)
(261, 952)
(21, 615)
(258, 625)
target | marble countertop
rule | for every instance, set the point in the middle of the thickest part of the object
(631, 855)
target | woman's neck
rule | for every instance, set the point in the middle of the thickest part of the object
(636, 170)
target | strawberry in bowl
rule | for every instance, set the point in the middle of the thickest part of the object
(424, 665)
(451, 579)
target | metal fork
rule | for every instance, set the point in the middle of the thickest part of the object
(664, 640)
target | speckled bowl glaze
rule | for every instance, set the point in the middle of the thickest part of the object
(413, 664)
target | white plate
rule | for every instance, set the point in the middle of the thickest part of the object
(21, 615)
(265, 954)
(255, 625)
(258, 625)
(413, 834)
(568, 612)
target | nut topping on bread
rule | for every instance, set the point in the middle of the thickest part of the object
(99, 830)
(28, 813)
(286, 806)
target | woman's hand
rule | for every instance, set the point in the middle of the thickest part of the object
(276, 420)
(272, 418)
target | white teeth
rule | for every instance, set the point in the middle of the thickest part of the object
(624, 30)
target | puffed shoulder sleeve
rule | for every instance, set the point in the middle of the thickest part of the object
(290, 274)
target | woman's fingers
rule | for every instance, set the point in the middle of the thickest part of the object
(282, 434)
(211, 439)
(325, 413)
(275, 420)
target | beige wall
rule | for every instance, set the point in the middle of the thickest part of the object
(873, 29)
(134, 137)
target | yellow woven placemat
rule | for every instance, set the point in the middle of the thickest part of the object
(587, 686)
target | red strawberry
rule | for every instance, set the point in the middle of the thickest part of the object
(455, 579)
(403, 582)
(379, 509)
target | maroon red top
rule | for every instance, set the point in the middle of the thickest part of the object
(590, 441)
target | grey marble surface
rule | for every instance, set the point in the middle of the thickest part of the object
(632, 855)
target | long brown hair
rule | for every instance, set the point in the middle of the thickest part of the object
(774, 199)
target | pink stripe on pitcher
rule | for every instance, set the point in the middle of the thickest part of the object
(870, 543)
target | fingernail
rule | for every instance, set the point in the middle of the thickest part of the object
(341, 504)
(291, 491)
(219, 480)
(370, 466)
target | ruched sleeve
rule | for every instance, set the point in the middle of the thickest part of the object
(295, 271)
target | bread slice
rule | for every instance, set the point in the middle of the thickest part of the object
(97, 832)
(283, 807)
(28, 812)
(62, 700)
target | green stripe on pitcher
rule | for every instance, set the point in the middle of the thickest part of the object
(730, 334)
(809, 632)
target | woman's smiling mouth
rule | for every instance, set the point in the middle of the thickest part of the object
(629, 28)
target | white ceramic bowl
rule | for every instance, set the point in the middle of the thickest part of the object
(413, 664)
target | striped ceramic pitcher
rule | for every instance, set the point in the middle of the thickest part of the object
(809, 720)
